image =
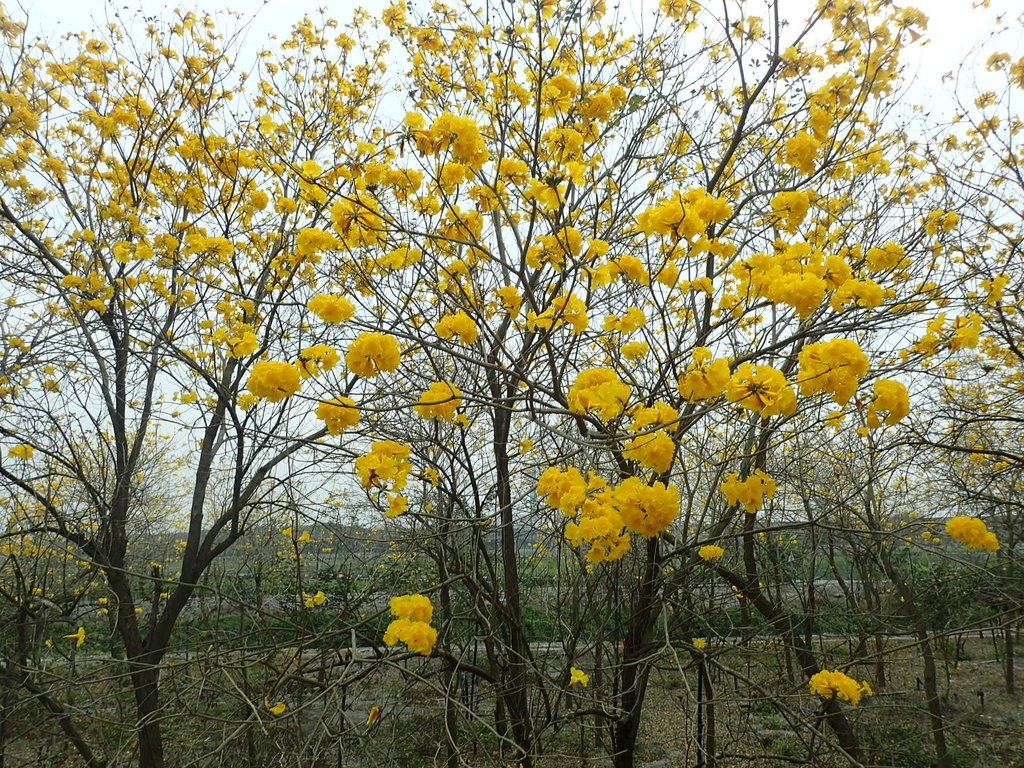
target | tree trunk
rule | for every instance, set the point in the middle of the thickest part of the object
(1008, 643)
(931, 689)
(705, 717)
(145, 681)
(634, 671)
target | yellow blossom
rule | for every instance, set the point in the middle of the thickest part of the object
(762, 389)
(578, 677)
(458, 324)
(835, 684)
(890, 398)
(654, 451)
(439, 401)
(972, 532)
(705, 377)
(600, 390)
(22, 451)
(647, 510)
(331, 307)
(387, 462)
(78, 637)
(277, 709)
(372, 353)
(835, 367)
(274, 380)
(315, 360)
(710, 552)
(338, 414)
(750, 492)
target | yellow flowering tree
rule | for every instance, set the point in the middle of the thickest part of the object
(570, 285)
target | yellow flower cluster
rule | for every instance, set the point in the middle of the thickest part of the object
(891, 398)
(940, 221)
(607, 515)
(626, 323)
(387, 462)
(338, 414)
(565, 491)
(578, 677)
(511, 299)
(966, 332)
(22, 451)
(439, 401)
(710, 552)
(654, 451)
(631, 266)
(357, 221)
(316, 359)
(569, 309)
(240, 339)
(705, 377)
(555, 249)
(684, 215)
(751, 492)
(600, 390)
(833, 684)
(762, 389)
(796, 275)
(659, 414)
(599, 525)
(459, 135)
(801, 150)
(457, 324)
(835, 367)
(892, 255)
(331, 307)
(314, 601)
(311, 241)
(371, 353)
(972, 532)
(791, 208)
(412, 607)
(412, 623)
(274, 380)
(862, 293)
(647, 510)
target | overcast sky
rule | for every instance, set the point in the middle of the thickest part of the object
(955, 28)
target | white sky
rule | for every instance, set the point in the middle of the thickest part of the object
(955, 27)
